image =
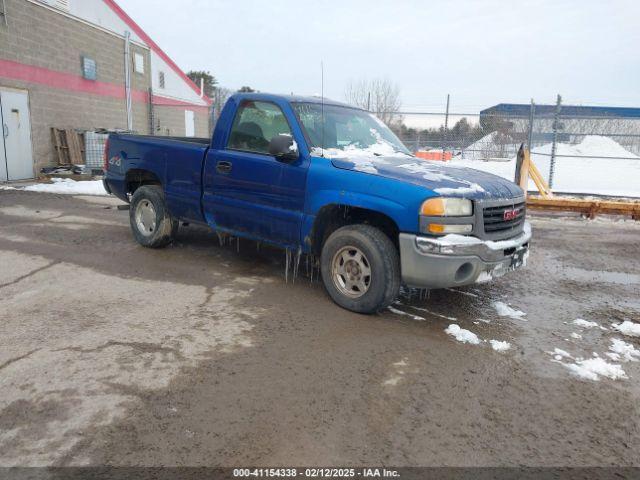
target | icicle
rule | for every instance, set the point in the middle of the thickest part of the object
(296, 264)
(286, 265)
(220, 238)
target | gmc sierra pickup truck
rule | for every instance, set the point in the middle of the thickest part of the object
(330, 180)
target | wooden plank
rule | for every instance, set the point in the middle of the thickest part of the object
(589, 207)
(524, 171)
(75, 152)
(55, 139)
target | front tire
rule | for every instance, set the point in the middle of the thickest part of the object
(360, 268)
(151, 223)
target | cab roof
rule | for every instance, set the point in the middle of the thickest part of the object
(291, 99)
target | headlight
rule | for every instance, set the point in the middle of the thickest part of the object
(447, 207)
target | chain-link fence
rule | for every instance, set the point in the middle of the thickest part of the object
(592, 150)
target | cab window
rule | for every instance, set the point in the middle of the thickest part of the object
(256, 123)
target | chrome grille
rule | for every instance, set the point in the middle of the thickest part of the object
(495, 223)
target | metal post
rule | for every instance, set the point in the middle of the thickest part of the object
(532, 112)
(3, 13)
(127, 78)
(446, 127)
(556, 125)
(152, 113)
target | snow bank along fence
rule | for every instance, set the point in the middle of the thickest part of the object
(569, 144)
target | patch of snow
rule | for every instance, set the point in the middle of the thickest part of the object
(613, 356)
(484, 277)
(499, 346)
(393, 381)
(435, 314)
(625, 351)
(584, 323)
(505, 310)
(473, 188)
(628, 328)
(400, 312)
(559, 354)
(462, 335)
(469, 294)
(457, 239)
(576, 335)
(68, 186)
(592, 368)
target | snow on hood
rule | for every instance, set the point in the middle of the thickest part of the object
(384, 159)
(436, 176)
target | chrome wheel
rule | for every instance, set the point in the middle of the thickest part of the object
(351, 272)
(146, 217)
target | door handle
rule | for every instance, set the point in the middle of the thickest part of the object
(5, 130)
(223, 167)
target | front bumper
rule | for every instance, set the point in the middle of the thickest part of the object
(456, 260)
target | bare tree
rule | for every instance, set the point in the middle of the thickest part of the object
(379, 96)
(219, 98)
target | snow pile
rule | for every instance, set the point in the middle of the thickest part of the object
(623, 351)
(499, 346)
(574, 173)
(505, 310)
(585, 323)
(462, 335)
(628, 328)
(68, 186)
(592, 368)
(575, 335)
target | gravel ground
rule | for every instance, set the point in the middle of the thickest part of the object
(199, 354)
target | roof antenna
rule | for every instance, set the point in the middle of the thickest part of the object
(322, 102)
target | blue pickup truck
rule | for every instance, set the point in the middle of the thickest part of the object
(329, 180)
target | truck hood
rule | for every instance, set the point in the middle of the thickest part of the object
(440, 178)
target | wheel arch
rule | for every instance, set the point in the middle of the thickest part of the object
(333, 216)
(137, 177)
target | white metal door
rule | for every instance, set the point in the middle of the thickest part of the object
(16, 131)
(3, 155)
(189, 123)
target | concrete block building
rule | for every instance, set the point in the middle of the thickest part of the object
(85, 65)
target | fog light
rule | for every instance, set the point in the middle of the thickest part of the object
(444, 229)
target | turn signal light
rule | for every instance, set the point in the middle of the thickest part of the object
(444, 229)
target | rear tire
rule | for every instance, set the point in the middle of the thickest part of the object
(151, 223)
(360, 268)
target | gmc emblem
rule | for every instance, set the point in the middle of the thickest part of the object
(511, 214)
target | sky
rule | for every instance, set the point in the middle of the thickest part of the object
(481, 52)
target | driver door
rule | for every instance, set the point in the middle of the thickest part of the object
(241, 192)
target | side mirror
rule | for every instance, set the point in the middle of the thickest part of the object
(284, 148)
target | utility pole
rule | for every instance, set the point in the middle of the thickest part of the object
(556, 127)
(446, 127)
(532, 113)
(127, 78)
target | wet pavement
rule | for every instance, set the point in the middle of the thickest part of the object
(200, 354)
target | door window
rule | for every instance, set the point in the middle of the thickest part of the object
(256, 123)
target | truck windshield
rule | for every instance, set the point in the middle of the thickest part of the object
(346, 130)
